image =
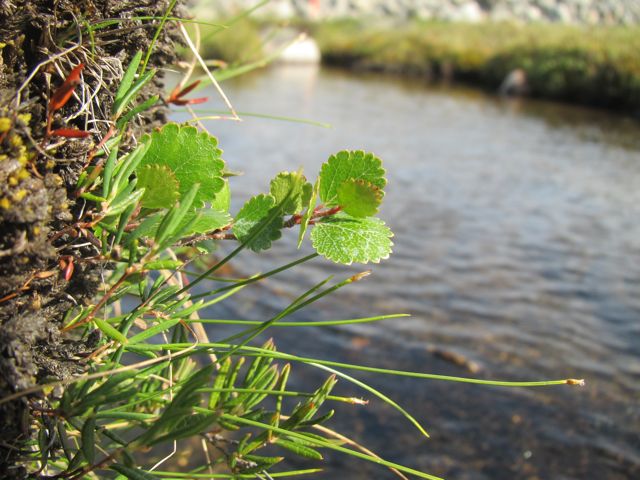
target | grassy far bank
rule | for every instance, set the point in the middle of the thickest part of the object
(598, 66)
(594, 66)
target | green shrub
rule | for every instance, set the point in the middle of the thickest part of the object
(597, 66)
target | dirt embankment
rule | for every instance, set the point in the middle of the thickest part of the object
(41, 218)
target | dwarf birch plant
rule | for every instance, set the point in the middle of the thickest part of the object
(155, 380)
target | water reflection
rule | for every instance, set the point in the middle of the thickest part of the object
(517, 247)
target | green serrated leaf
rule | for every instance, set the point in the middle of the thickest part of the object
(359, 198)
(222, 200)
(208, 220)
(306, 218)
(294, 187)
(349, 165)
(194, 157)
(345, 239)
(160, 184)
(250, 218)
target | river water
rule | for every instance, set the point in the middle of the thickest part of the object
(517, 249)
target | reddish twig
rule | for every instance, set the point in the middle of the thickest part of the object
(128, 272)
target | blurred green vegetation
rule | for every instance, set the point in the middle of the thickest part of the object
(590, 65)
(240, 43)
(598, 66)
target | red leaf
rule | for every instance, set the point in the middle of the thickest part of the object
(193, 101)
(64, 91)
(68, 270)
(70, 133)
(177, 93)
(188, 89)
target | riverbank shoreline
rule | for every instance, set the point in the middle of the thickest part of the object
(595, 66)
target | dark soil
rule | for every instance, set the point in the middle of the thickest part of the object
(39, 212)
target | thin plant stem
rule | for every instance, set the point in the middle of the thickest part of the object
(156, 35)
(292, 473)
(257, 278)
(257, 115)
(320, 323)
(349, 441)
(256, 351)
(203, 64)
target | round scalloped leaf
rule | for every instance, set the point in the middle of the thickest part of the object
(359, 198)
(222, 200)
(349, 165)
(160, 184)
(192, 156)
(345, 239)
(293, 184)
(309, 206)
(250, 218)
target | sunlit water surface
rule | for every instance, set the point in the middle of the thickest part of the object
(517, 246)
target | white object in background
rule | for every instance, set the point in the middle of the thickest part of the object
(304, 50)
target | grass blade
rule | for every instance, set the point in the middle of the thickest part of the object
(127, 78)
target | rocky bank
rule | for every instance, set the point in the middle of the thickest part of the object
(592, 12)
